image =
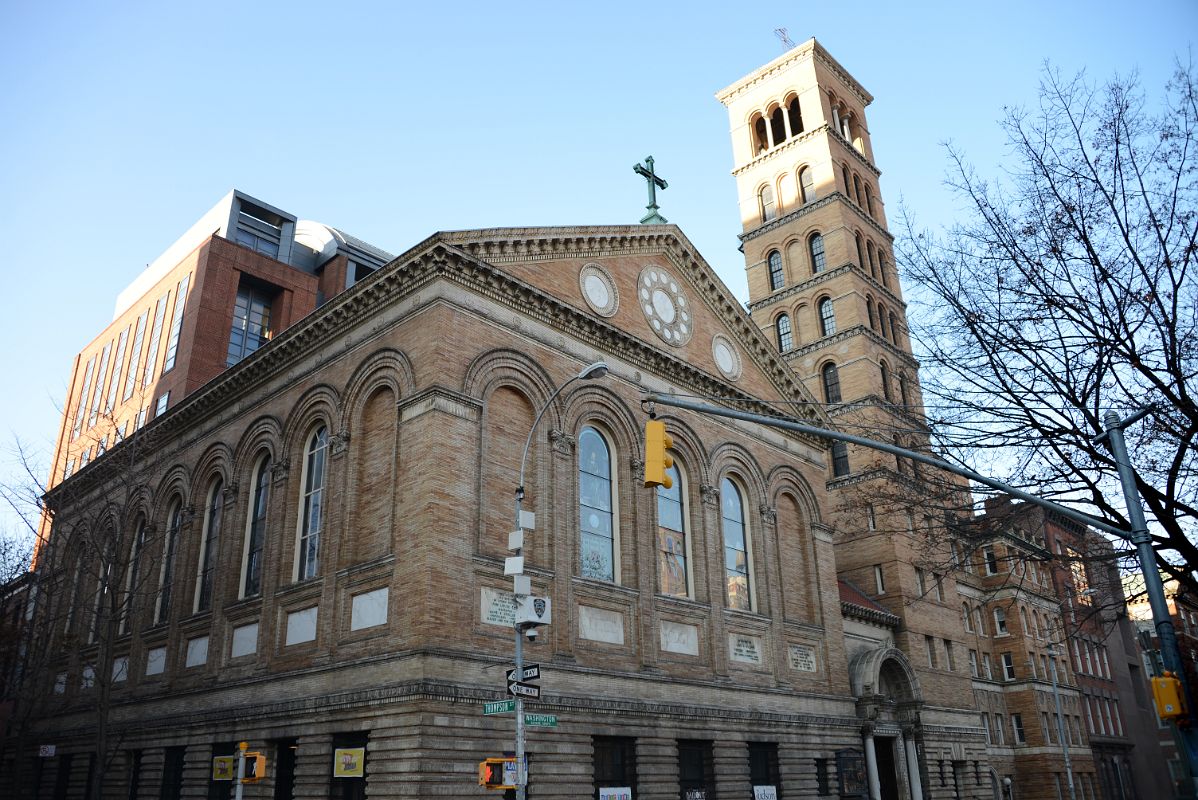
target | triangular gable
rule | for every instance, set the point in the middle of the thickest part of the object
(649, 282)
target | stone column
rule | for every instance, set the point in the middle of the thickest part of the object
(913, 780)
(871, 762)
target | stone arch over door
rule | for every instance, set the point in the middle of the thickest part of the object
(884, 672)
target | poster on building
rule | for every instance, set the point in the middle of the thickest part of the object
(224, 768)
(850, 769)
(349, 762)
(615, 793)
(765, 793)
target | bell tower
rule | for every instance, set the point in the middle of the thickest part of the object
(823, 289)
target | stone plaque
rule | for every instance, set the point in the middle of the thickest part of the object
(746, 649)
(301, 626)
(802, 658)
(679, 638)
(497, 607)
(197, 651)
(368, 609)
(245, 640)
(600, 625)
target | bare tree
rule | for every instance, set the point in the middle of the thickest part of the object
(91, 584)
(1069, 291)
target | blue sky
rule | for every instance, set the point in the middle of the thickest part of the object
(125, 121)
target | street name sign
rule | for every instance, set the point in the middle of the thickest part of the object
(540, 720)
(531, 673)
(499, 707)
(518, 689)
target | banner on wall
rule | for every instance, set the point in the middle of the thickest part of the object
(349, 762)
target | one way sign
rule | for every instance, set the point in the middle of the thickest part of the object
(517, 689)
(531, 673)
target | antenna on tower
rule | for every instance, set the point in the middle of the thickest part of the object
(784, 38)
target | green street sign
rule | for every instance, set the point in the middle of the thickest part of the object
(500, 707)
(540, 720)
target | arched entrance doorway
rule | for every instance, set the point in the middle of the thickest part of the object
(888, 703)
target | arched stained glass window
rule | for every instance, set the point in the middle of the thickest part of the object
(595, 507)
(672, 543)
(736, 547)
(255, 538)
(312, 518)
(208, 546)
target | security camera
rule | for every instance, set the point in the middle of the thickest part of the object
(531, 633)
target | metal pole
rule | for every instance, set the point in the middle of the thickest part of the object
(243, 746)
(825, 433)
(1153, 585)
(596, 370)
(1056, 694)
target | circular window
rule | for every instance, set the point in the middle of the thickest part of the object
(664, 305)
(599, 290)
(727, 359)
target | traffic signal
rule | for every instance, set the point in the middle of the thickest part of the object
(255, 767)
(493, 774)
(657, 461)
(1167, 694)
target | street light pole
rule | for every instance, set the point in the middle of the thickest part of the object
(520, 587)
(1056, 694)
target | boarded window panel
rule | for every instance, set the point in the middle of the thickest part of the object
(798, 582)
(375, 484)
(509, 418)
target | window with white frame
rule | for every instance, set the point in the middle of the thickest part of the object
(1000, 622)
(307, 564)
(596, 507)
(209, 541)
(255, 530)
(673, 545)
(737, 573)
(1008, 667)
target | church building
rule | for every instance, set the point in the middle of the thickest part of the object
(284, 519)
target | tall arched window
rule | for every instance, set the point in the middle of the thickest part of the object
(967, 617)
(869, 200)
(882, 269)
(673, 546)
(860, 251)
(840, 459)
(166, 575)
(776, 277)
(869, 309)
(736, 547)
(784, 338)
(885, 381)
(806, 185)
(873, 267)
(777, 126)
(904, 391)
(831, 380)
(595, 506)
(816, 245)
(133, 575)
(882, 320)
(307, 562)
(857, 189)
(848, 181)
(768, 209)
(208, 546)
(255, 531)
(796, 117)
(893, 328)
(827, 317)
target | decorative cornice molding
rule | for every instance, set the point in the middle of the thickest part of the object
(821, 202)
(440, 399)
(883, 618)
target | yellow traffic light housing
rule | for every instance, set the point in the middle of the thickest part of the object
(657, 461)
(1167, 694)
(491, 773)
(255, 767)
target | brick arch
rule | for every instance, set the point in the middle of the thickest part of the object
(387, 367)
(263, 434)
(732, 457)
(215, 462)
(176, 481)
(321, 402)
(594, 402)
(689, 447)
(868, 667)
